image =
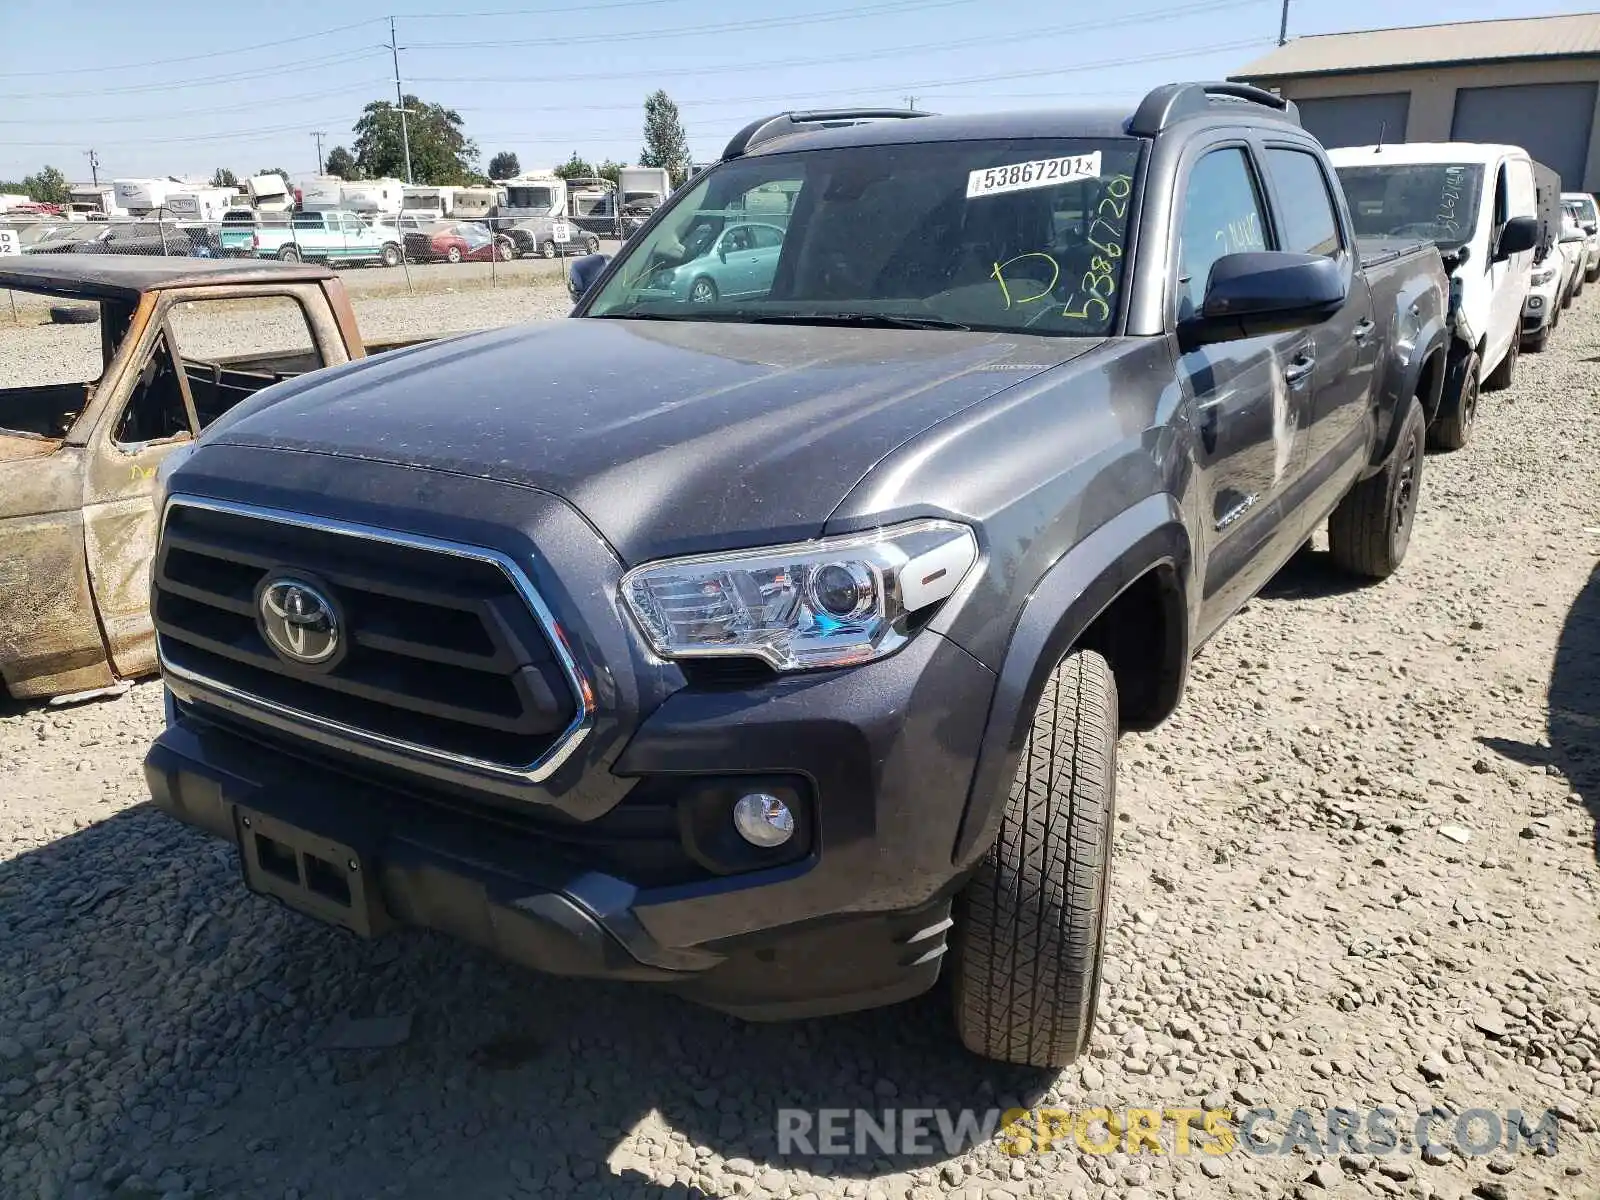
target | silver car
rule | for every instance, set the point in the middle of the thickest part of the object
(740, 261)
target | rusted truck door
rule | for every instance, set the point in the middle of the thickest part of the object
(155, 416)
(204, 350)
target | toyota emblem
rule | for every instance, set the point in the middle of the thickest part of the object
(299, 622)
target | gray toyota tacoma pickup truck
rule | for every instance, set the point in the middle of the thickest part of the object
(764, 630)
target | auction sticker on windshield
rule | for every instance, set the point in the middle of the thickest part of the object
(1042, 172)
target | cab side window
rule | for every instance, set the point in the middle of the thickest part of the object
(156, 411)
(1222, 214)
(1306, 214)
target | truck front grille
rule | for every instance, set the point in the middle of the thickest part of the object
(445, 651)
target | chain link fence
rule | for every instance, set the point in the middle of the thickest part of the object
(488, 251)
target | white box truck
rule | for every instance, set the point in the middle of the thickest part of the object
(269, 193)
(321, 194)
(640, 191)
(372, 196)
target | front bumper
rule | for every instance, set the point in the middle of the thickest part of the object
(882, 755)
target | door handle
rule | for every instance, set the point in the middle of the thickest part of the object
(1299, 369)
(1363, 330)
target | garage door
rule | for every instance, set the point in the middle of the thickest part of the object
(1356, 120)
(1549, 120)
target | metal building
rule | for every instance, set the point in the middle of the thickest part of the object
(1530, 82)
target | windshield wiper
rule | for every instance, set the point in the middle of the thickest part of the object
(863, 320)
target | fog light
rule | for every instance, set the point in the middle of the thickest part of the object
(763, 820)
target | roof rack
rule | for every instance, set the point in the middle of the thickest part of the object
(1171, 102)
(767, 128)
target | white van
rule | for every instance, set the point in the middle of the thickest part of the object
(1477, 203)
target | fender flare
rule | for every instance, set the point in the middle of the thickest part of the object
(1432, 404)
(1075, 590)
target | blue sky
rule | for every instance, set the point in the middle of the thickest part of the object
(545, 77)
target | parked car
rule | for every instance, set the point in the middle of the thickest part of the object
(397, 225)
(548, 237)
(79, 451)
(331, 236)
(159, 238)
(50, 237)
(1588, 216)
(738, 261)
(769, 648)
(1549, 292)
(1478, 203)
(464, 241)
(1575, 252)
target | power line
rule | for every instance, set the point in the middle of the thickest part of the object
(741, 68)
(343, 56)
(247, 106)
(816, 18)
(799, 99)
(209, 54)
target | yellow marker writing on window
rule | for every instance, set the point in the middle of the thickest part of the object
(1005, 289)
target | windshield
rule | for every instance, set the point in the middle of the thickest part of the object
(1019, 235)
(1583, 207)
(1437, 201)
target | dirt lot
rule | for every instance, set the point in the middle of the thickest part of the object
(1358, 869)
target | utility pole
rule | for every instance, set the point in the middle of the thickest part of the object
(911, 101)
(94, 166)
(400, 98)
(319, 135)
(1283, 25)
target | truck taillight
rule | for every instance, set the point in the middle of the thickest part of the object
(255, 241)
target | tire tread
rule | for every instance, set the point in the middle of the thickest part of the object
(1029, 924)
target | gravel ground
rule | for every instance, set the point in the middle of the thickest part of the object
(1358, 868)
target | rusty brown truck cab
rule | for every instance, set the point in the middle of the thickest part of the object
(156, 349)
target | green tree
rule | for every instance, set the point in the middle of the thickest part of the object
(575, 167)
(279, 171)
(49, 186)
(342, 163)
(665, 142)
(224, 178)
(440, 152)
(504, 165)
(610, 170)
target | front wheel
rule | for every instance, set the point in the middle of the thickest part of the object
(1030, 924)
(504, 251)
(1500, 378)
(1369, 532)
(391, 255)
(453, 254)
(547, 249)
(592, 246)
(1459, 410)
(703, 291)
(289, 254)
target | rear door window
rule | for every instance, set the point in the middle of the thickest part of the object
(1308, 224)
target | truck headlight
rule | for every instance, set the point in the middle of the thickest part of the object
(827, 603)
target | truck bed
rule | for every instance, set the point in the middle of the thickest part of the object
(1380, 251)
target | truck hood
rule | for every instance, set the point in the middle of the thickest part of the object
(670, 437)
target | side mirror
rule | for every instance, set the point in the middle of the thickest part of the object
(583, 273)
(1516, 235)
(722, 251)
(1259, 292)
